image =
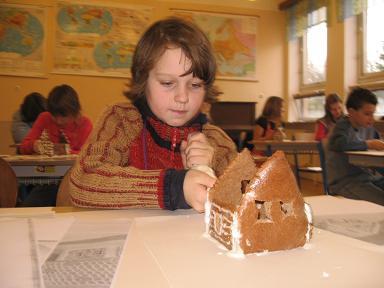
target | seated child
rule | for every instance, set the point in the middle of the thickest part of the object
(141, 153)
(60, 130)
(269, 126)
(23, 119)
(333, 111)
(355, 132)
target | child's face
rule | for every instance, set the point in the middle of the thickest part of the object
(362, 117)
(174, 99)
(336, 110)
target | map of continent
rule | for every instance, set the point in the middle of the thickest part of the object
(83, 19)
(98, 40)
(233, 40)
(20, 31)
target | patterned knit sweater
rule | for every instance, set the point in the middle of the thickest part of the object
(132, 159)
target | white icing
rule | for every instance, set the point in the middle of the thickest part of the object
(220, 222)
(308, 213)
(236, 236)
(207, 209)
(326, 274)
(265, 252)
(206, 169)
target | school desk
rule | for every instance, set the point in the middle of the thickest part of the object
(169, 249)
(39, 169)
(369, 158)
(295, 148)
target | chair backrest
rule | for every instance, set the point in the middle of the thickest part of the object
(304, 136)
(320, 147)
(8, 185)
(63, 197)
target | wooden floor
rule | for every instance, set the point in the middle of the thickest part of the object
(311, 188)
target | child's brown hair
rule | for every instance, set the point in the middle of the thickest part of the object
(272, 107)
(173, 33)
(64, 101)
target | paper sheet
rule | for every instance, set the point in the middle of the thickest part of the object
(88, 255)
(185, 258)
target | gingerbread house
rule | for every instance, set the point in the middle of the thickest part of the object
(252, 209)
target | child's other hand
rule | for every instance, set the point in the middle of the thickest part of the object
(195, 188)
(196, 151)
(269, 134)
(375, 144)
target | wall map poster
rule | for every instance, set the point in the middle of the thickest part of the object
(97, 40)
(22, 40)
(233, 38)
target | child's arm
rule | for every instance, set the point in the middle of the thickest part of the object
(341, 140)
(103, 177)
(375, 144)
(27, 145)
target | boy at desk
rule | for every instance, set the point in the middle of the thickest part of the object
(140, 153)
(355, 132)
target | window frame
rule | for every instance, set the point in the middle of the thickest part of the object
(298, 98)
(364, 77)
(309, 88)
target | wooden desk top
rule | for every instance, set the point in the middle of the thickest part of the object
(369, 158)
(295, 146)
(28, 160)
(369, 153)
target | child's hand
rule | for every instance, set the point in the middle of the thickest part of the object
(375, 144)
(196, 151)
(195, 188)
(269, 134)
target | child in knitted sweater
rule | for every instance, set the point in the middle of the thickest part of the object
(141, 153)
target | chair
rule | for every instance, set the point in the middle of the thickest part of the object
(314, 169)
(302, 147)
(8, 185)
(63, 196)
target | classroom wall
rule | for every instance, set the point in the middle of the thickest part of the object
(97, 92)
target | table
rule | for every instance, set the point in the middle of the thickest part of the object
(167, 249)
(296, 147)
(288, 146)
(39, 169)
(369, 158)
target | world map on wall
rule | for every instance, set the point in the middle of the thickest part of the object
(97, 40)
(82, 19)
(20, 32)
(233, 39)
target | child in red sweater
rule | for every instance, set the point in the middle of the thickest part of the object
(140, 153)
(61, 130)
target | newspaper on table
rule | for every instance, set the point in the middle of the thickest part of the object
(88, 255)
(49, 251)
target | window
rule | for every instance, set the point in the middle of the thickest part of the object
(373, 38)
(310, 107)
(380, 106)
(314, 49)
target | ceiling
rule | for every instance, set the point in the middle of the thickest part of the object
(256, 4)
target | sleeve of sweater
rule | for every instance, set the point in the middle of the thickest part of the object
(225, 148)
(34, 134)
(102, 176)
(20, 128)
(340, 139)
